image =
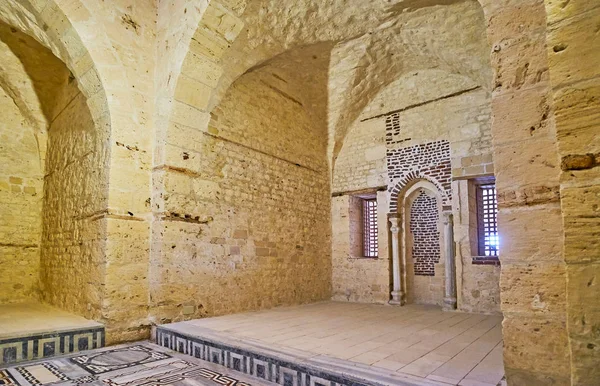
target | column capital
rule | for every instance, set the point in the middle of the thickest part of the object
(394, 222)
(448, 217)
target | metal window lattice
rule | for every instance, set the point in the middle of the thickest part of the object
(370, 228)
(489, 241)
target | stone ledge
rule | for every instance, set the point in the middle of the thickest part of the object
(485, 260)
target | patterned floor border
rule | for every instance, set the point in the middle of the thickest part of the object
(265, 366)
(46, 345)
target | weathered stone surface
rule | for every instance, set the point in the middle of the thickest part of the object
(573, 48)
(577, 115)
(22, 155)
(579, 161)
(259, 174)
(536, 288)
(545, 342)
(187, 150)
(584, 321)
(524, 226)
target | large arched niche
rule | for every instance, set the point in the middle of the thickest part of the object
(62, 105)
(255, 186)
(368, 53)
(415, 128)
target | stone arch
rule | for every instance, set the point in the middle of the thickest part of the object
(215, 59)
(48, 23)
(413, 178)
(24, 97)
(72, 100)
(225, 45)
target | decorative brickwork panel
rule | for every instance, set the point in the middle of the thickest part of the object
(429, 161)
(392, 129)
(424, 218)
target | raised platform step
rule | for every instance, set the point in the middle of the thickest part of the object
(286, 367)
(30, 331)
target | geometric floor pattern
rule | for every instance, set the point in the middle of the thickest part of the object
(139, 364)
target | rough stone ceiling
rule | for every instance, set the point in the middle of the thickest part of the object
(368, 44)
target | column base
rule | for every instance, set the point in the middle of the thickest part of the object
(397, 298)
(449, 304)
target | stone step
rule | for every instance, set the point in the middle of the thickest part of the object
(277, 365)
(30, 331)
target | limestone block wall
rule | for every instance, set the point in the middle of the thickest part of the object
(246, 218)
(22, 154)
(356, 278)
(123, 77)
(532, 279)
(573, 53)
(75, 199)
(361, 163)
(544, 133)
(478, 288)
(389, 145)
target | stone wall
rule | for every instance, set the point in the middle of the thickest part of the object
(356, 278)
(426, 125)
(544, 114)
(573, 48)
(532, 279)
(75, 200)
(477, 284)
(246, 223)
(69, 153)
(22, 152)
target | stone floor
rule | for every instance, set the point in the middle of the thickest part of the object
(31, 318)
(420, 342)
(127, 365)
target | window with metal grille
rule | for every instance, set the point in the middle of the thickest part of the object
(370, 228)
(487, 224)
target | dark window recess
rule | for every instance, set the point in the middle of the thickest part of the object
(370, 228)
(487, 221)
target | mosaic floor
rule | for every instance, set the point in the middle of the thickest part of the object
(140, 364)
(418, 343)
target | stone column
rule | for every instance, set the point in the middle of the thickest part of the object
(450, 295)
(397, 295)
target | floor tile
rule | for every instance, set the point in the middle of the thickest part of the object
(388, 364)
(419, 341)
